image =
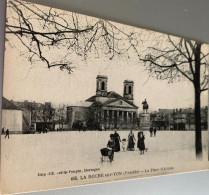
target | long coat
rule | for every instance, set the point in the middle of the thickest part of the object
(140, 143)
(117, 142)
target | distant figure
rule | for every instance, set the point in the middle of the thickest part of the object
(111, 146)
(117, 141)
(140, 143)
(151, 131)
(44, 130)
(84, 125)
(7, 133)
(131, 142)
(155, 131)
(2, 131)
(79, 126)
(145, 106)
(124, 142)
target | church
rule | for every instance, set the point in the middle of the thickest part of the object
(106, 109)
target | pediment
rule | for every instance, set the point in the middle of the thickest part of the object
(120, 103)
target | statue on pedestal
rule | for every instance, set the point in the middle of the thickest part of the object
(145, 106)
(145, 116)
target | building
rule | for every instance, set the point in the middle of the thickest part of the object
(105, 110)
(42, 115)
(14, 118)
(178, 119)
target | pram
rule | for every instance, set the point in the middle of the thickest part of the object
(106, 152)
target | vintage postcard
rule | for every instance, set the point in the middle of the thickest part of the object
(86, 100)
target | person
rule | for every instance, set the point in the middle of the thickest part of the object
(124, 144)
(79, 126)
(84, 125)
(7, 133)
(117, 141)
(140, 143)
(111, 145)
(151, 130)
(155, 131)
(2, 132)
(131, 142)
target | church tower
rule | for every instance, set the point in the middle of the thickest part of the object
(101, 89)
(128, 90)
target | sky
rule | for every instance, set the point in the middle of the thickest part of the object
(23, 81)
(38, 83)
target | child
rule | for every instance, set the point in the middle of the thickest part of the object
(124, 143)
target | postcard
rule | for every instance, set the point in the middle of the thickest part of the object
(87, 101)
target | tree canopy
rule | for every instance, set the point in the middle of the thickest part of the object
(54, 36)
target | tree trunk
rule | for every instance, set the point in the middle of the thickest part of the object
(198, 133)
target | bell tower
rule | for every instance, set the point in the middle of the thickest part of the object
(101, 89)
(128, 90)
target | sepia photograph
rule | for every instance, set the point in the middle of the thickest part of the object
(87, 100)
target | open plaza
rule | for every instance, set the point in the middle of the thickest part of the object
(27, 157)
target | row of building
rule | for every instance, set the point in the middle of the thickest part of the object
(105, 110)
(109, 110)
(27, 117)
(178, 119)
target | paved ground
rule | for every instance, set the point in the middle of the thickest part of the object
(26, 156)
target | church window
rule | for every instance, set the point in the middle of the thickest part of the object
(103, 86)
(129, 89)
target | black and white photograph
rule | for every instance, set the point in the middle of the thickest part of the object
(87, 100)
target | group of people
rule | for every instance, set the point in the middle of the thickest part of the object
(153, 130)
(114, 143)
(140, 142)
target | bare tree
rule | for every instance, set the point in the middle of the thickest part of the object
(61, 114)
(55, 37)
(182, 59)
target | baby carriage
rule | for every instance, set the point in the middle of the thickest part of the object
(106, 152)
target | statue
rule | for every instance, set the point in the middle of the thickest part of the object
(145, 106)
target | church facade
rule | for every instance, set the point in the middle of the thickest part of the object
(105, 110)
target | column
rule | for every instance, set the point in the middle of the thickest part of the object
(113, 119)
(108, 119)
(122, 119)
(132, 120)
(102, 120)
(117, 119)
(127, 121)
(135, 120)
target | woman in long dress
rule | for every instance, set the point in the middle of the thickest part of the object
(111, 146)
(131, 142)
(117, 141)
(140, 143)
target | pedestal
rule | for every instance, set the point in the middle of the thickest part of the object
(145, 121)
